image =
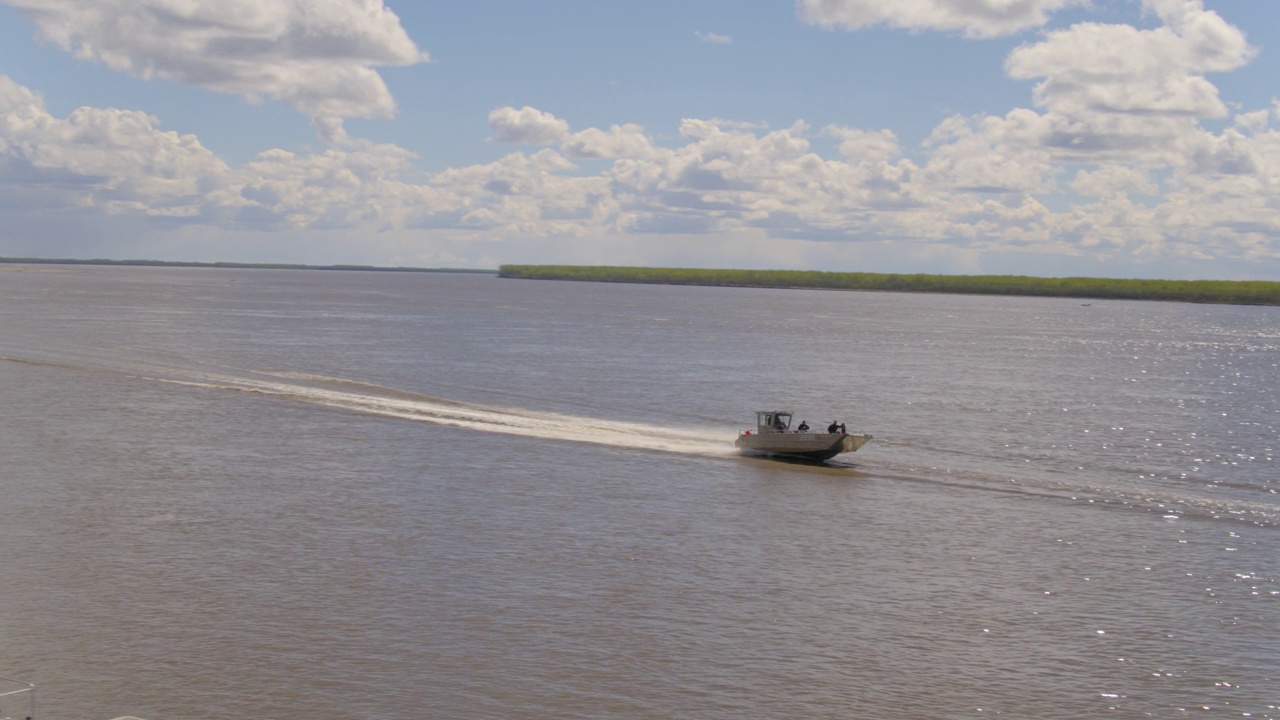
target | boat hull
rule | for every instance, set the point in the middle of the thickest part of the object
(808, 446)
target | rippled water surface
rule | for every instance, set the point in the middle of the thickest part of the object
(300, 494)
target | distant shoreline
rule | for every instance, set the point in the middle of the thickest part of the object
(234, 265)
(1225, 292)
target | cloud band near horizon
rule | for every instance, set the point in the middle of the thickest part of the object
(1115, 156)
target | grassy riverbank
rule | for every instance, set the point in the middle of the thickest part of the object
(1235, 292)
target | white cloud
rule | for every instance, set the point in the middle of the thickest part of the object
(1230, 153)
(1112, 181)
(1111, 95)
(527, 126)
(119, 162)
(115, 160)
(317, 57)
(519, 193)
(1253, 122)
(1210, 44)
(856, 145)
(714, 38)
(991, 154)
(723, 179)
(619, 141)
(974, 18)
(979, 184)
(353, 186)
(1095, 69)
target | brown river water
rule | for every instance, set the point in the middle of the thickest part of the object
(303, 494)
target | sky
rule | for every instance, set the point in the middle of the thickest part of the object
(1104, 138)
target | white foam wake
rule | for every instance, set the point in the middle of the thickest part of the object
(388, 402)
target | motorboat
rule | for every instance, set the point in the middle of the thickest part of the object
(773, 435)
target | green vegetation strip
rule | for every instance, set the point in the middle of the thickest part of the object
(1202, 291)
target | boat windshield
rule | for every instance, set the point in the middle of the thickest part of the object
(774, 421)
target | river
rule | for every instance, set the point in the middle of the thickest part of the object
(237, 493)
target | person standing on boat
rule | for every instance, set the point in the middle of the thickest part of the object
(802, 427)
(834, 427)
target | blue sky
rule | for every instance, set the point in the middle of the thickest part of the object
(1134, 138)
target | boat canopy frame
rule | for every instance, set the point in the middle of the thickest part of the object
(768, 421)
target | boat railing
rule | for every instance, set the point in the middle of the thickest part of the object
(17, 699)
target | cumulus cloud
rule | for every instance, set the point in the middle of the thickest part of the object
(347, 187)
(1113, 181)
(1116, 92)
(977, 186)
(526, 126)
(116, 160)
(861, 145)
(991, 154)
(1126, 180)
(522, 194)
(1093, 68)
(317, 57)
(120, 162)
(974, 18)
(619, 141)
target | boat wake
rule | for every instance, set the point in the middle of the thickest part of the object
(373, 399)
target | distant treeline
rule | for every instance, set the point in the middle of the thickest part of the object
(253, 266)
(1233, 292)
